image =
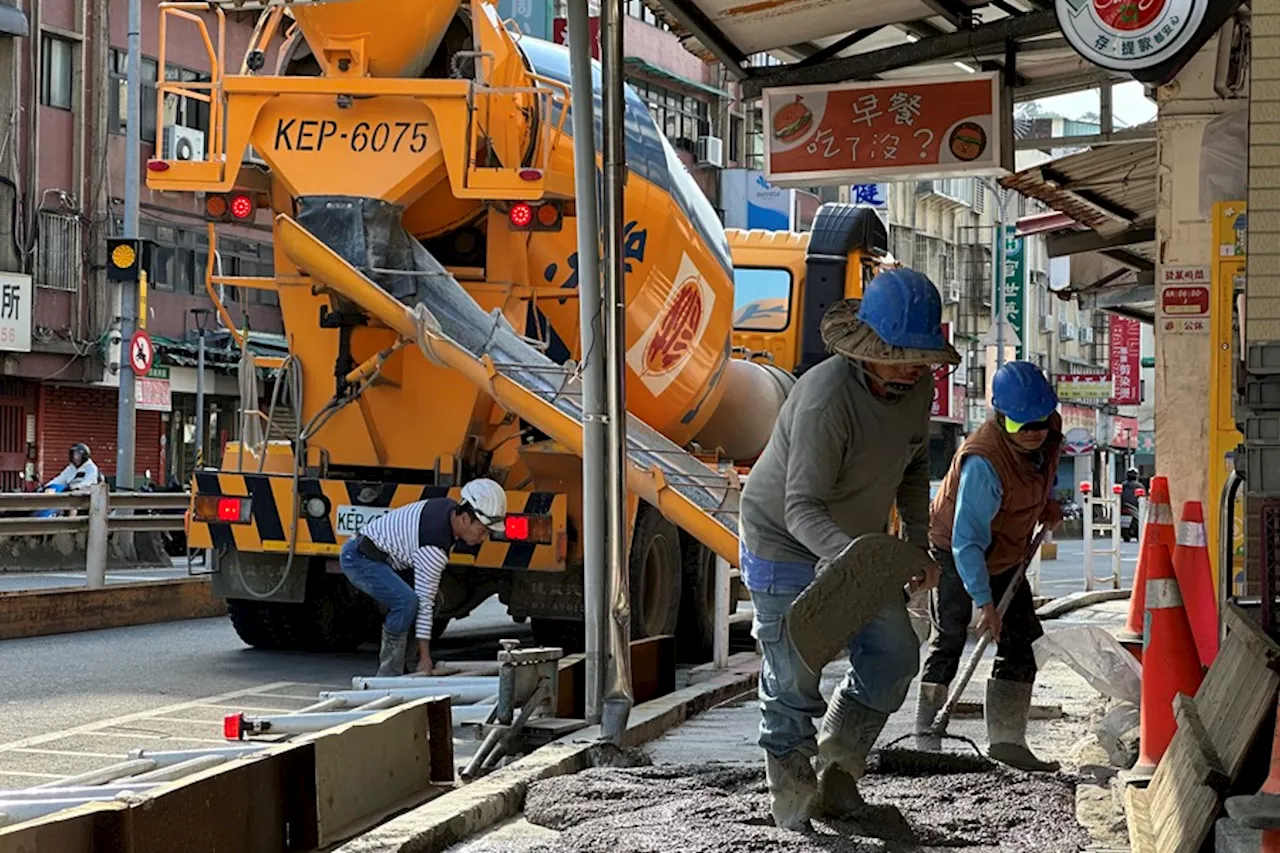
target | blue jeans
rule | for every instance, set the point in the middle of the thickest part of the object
(381, 582)
(883, 658)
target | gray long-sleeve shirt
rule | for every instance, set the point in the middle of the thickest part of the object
(838, 458)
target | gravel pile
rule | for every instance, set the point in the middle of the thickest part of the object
(724, 808)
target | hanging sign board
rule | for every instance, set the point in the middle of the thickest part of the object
(1129, 35)
(859, 133)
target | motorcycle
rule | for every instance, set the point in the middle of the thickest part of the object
(1129, 530)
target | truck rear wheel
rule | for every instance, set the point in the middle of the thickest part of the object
(334, 618)
(656, 575)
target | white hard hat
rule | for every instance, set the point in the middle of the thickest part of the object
(489, 502)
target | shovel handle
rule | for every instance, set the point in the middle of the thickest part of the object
(944, 716)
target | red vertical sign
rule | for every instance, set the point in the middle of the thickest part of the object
(942, 384)
(1126, 343)
(560, 33)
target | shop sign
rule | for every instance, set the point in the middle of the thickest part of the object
(1090, 387)
(1079, 425)
(1124, 432)
(1125, 346)
(944, 407)
(15, 312)
(1014, 283)
(1129, 35)
(1147, 442)
(1183, 300)
(560, 33)
(858, 133)
(152, 395)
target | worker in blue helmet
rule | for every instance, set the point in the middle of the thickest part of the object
(998, 490)
(851, 440)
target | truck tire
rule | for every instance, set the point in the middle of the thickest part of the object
(334, 618)
(657, 576)
(695, 636)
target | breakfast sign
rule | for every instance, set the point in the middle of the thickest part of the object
(930, 127)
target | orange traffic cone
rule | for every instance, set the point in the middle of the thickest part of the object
(1170, 663)
(1157, 532)
(1195, 579)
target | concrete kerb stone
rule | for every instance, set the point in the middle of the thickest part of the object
(466, 811)
(1079, 600)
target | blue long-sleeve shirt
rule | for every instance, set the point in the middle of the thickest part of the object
(977, 502)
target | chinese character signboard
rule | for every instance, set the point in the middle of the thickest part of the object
(870, 195)
(1128, 35)
(845, 134)
(560, 33)
(1124, 432)
(1014, 283)
(1147, 442)
(1183, 299)
(532, 17)
(944, 400)
(153, 395)
(1126, 343)
(1085, 387)
(15, 312)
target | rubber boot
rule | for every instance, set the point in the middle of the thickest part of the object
(849, 730)
(1008, 707)
(792, 790)
(929, 702)
(391, 655)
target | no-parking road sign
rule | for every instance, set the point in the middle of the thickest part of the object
(142, 353)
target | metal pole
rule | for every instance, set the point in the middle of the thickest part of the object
(200, 400)
(1115, 542)
(1088, 541)
(125, 420)
(96, 545)
(618, 697)
(595, 446)
(998, 264)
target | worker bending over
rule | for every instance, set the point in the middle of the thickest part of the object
(420, 536)
(851, 439)
(985, 514)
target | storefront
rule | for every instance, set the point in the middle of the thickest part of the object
(1080, 444)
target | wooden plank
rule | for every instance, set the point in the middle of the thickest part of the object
(1209, 765)
(91, 828)
(440, 740)
(62, 611)
(1241, 624)
(1138, 820)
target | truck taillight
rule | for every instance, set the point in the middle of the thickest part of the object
(521, 215)
(528, 528)
(542, 216)
(211, 508)
(230, 207)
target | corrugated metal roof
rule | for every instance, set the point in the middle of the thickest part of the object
(1108, 189)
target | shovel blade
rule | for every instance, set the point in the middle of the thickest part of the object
(847, 592)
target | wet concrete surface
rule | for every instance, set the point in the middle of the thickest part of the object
(710, 808)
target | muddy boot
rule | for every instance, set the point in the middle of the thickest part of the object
(928, 703)
(792, 789)
(849, 730)
(391, 655)
(1008, 707)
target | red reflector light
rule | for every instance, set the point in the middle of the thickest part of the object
(521, 215)
(233, 727)
(1117, 489)
(229, 509)
(1086, 486)
(241, 206)
(157, 166)
(530, 174)
(548, 215)
(1142, 493)
(517, 528)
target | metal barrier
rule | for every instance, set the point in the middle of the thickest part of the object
(97, 512)
(1111, 509)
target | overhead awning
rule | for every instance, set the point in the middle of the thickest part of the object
(13, 21)
(635, 63)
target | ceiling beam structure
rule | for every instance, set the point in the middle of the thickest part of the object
(1075, 243)
(957, 45)
(1132, 260)
(712, 38)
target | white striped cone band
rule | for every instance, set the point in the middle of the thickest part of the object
(1159, 514)
(1191, 534)
(1163, 593)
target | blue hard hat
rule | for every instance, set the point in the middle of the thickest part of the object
(1020, 391)
(904, 309)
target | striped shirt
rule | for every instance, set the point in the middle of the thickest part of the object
(418, 536)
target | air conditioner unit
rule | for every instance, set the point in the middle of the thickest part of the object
(711, 151)
(1086, 334)
(951, 292)
(1066, 331)
(182, 143)
(1046, 323)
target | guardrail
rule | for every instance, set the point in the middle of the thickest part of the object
(98, 512)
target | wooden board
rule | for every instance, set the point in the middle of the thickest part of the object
(1235, 699)
(91, 828)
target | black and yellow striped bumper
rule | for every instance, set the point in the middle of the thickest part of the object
(273, 521)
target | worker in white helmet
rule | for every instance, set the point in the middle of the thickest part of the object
(420, 536)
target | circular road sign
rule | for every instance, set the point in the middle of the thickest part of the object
(1130, 35)
(142, 352)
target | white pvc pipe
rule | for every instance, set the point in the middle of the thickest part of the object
(104, 774)
(460, 696)
(168, 758)
(388, 701)
(182, 768)
(27, 794)
(449, 682)
(471, 714)
(17, 811)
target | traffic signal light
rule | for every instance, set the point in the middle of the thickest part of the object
(127, 257)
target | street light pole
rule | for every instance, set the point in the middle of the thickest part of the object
(126, 402)
(201, 316)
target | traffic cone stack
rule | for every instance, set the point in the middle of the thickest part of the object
(1170, 662)
(1195, 579)
(1157, 534)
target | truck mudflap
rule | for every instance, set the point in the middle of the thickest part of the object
(254, 513)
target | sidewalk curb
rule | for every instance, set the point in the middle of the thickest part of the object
(469, 809)
(1078, 600)
(38, 613)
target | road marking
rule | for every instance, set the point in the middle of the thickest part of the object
(94, 727)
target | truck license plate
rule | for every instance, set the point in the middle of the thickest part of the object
(351, 519)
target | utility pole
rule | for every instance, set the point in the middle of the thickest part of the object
(125, 418)
(595, 448)
(201, 316)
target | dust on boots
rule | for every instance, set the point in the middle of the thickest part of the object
(793, 788)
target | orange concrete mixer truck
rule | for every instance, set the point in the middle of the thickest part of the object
(415, 160)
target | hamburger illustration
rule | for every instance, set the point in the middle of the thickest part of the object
(792, 121)
(968, 141)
